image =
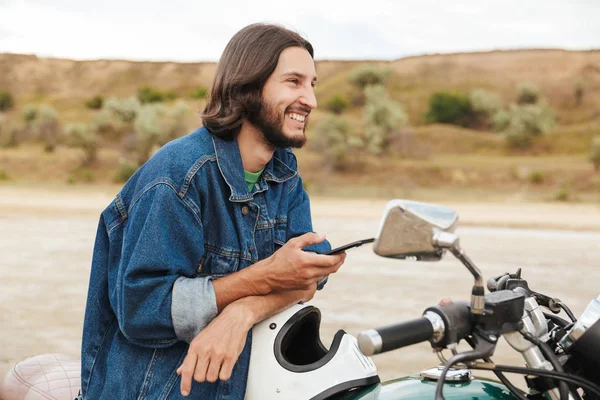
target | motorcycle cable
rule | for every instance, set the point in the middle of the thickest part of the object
(567, 310)
(584, 383)
(501, 377)
(544, 348)
(557, 320)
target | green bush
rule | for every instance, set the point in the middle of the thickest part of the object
(125, 110)
(337, 104)
(527, 93)
(595, 153)
(525, 122)
(125, 171)
(107, 124)
(536, 177)
(48, 127)
(366, 75)
(95, 103)
(199, 93)
(501, 120)
(81, 136)
(449, 108)
(562, 195)
(334, 138)
(382, 117)
(29, 113)
(3, 175)
(147, 94)
(484, 102)
(6, 100)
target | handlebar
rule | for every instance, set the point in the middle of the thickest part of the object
(375, 341)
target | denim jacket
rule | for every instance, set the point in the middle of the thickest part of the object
(183, 219)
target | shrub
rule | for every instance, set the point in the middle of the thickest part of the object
(526, 122)
(124, 109)
(595, 153)
(366, 75)
(9, 132)
(147, 94)
(527, 93)
(562, 195)
(484, 102)
(199, 93)
(176, 121)
(107, 124)
(95, 103)
(29, 113)
(6, 100)
(449, 108)
(151, 130)
(337, 104)
(48, 127)
(536, 177)
(578, 91)
(334, 138)
(3, 175)
(81, 136)
(501, 120)
(516, 139)
(382, 117)
(125, 171)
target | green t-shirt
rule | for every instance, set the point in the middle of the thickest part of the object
(252, 178)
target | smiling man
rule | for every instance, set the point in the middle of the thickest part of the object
(209, 237)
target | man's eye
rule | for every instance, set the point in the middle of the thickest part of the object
(294, 81)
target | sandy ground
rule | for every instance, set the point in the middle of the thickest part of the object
(46, 238)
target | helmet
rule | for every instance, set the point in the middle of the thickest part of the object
(289, 362)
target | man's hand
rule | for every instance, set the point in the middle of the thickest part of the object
(213, 353)
(292, 268)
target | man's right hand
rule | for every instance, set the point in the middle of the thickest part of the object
(291, 268)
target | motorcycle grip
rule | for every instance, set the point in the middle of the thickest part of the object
(380, 340)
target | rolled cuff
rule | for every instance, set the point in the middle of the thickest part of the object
(193, 306)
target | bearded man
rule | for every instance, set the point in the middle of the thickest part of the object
(212, 235)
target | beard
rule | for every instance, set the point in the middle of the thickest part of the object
(270, 123)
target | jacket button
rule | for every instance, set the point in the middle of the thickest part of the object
(245, 210)
(251, 249)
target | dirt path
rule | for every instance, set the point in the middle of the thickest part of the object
(46, 239)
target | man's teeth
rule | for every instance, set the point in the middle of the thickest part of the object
(297, 117)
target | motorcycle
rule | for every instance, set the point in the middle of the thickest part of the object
(562, 358)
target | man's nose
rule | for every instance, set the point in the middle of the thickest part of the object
(308, 98)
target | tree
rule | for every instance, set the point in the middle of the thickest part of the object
(528, 93)
(81, 136)
(366, 75)
(334, 138)
(382, 117)
(450, 108)
(47, 125)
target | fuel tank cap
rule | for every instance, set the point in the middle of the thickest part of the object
(453, 375)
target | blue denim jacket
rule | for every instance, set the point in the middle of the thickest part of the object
(183, 219)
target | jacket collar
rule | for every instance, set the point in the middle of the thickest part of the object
(230, 165)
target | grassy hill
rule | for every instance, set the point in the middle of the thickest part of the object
(436, 156)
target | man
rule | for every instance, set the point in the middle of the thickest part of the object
(210, 236)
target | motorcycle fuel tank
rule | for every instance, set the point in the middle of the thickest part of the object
(415, 388)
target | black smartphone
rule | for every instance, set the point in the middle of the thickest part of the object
(349, 246)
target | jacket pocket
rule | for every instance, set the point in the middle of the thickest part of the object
(219, 264)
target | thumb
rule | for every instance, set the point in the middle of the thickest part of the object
(308, 239)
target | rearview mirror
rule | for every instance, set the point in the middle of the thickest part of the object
(407, 229)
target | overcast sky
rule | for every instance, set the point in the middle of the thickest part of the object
(198, 30)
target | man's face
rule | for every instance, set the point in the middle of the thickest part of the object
(288, 97)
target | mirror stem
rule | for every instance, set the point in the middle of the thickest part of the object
(447, 240)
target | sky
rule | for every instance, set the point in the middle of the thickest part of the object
(178, 30)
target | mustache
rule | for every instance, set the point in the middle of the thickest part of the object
(298, 110)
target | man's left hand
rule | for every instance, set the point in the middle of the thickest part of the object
(215, 350)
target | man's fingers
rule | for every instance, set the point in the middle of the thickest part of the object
(187, 371)
(323, 260)
(226, 369)
(307, 239)
(201, 366)
(212, 374)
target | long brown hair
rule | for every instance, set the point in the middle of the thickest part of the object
(248, 60)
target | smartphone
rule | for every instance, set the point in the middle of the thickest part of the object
(349, 246)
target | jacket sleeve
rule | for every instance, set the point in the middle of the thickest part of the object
(158, 299)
